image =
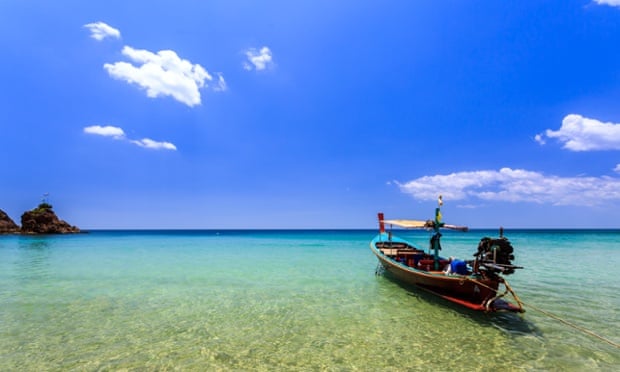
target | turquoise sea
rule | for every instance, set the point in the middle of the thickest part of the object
(294, 301)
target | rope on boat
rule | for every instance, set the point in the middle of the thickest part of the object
(488, 303)
(566, 322)
(514, 295)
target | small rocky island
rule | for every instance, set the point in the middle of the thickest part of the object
(40, 220)
(7, 226)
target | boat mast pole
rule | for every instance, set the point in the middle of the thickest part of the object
(435, 240)
(381, 224)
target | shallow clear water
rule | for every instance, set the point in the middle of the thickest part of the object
(293, 300)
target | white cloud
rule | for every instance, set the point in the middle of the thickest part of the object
(540, 139)
(150, 144)
(107, 131)
(258, 59)
(118, 134)
(608, 2)
(100, 31)
(515, 185)
(583, 134)
(617, 168)
(162, 73)
(221, 85)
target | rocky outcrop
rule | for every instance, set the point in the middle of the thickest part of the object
(43, 220)
(7, 226)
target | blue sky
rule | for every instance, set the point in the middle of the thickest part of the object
(311, 114)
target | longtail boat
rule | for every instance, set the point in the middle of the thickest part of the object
(477, 284)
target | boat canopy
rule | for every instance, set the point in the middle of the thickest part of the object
(408, 223)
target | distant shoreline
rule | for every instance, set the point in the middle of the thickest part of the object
(269, 230)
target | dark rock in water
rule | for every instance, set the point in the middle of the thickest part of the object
(7, 226)
(43, 220)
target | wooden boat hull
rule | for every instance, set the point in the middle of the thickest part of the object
(470, 291)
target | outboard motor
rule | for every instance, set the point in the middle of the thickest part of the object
(496, 255)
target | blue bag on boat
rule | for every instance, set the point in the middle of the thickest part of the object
(459, 267)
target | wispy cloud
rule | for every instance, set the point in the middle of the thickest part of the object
(118, 134)
(220, 85)
(150, 144)
(608, 2)
(163, 73)
(100, 31)
(106, 131)
(578, 133)
(258, 59)
(515, 185)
